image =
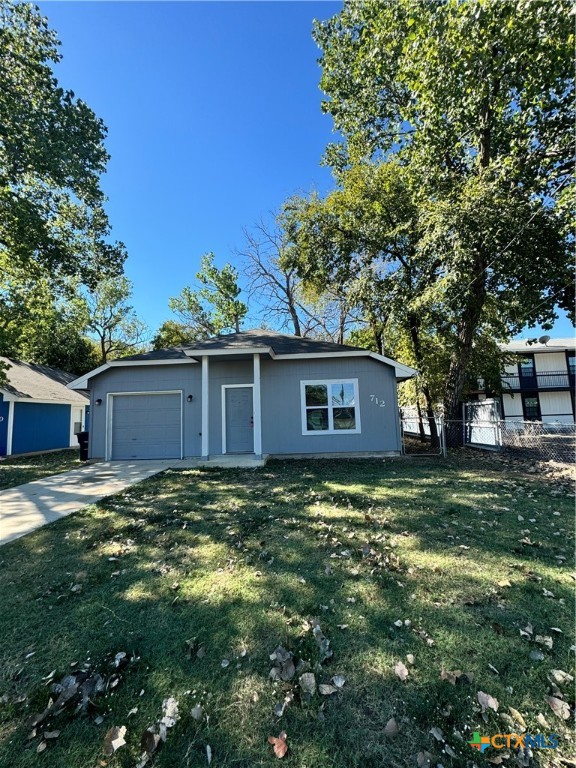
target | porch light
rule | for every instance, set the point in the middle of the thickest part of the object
(99, 401)
(190, 398)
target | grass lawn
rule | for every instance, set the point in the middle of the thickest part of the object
(460, 570)
(24, 469)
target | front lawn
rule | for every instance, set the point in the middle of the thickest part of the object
(441, 589)
(18, 470)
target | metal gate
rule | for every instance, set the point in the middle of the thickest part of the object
(416, 437)
(482, 427)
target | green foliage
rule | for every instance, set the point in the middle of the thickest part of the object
(43, 323)
(451, 220)
(52, 155)
(454, 86)
(112, 321)
(171, 334)
(213, 308)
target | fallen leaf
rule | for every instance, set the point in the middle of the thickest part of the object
(279, 744)
(51, 734)
(451, 676)
(114, 739)
(518, 717)
(280, 708)
(559, 677)
(536, 655)
(41, 747)
(391, 728)
(322, 641)
(307, 683)
(327, 690)
(437, 733)
(169, 712)
(559, 707)
(197, 712)
(208, 753)
(487, 702)
(544, 640)
(410, 658)
(401, 671)
(224, 663)
(424, 759)
(339, 681)
(149, 740)
(504, 583)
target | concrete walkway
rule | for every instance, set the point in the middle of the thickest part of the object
(29, 506)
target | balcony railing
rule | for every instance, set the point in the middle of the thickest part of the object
(546, 380)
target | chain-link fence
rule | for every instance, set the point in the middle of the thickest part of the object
(539, 441)
(417, 439)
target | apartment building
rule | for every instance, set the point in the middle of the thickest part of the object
(539, 384)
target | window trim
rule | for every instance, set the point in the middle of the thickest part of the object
(328, 382)
(531, 396)
(528, 357)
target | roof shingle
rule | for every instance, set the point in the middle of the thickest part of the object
(29, 381)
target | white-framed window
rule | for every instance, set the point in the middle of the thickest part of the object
(330, 407)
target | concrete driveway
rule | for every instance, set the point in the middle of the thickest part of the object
(29, 506)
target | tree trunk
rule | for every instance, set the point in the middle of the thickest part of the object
(414, 324)
(420, 423)
(461, 357)
(103, 351)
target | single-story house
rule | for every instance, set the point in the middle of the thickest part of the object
(254, 392)
(37, 410)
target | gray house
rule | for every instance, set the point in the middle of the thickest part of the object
(255, 392)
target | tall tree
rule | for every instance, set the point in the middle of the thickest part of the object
(52, 155)
(277, 291)
(213, 308)
(476, 99)
(112, 321)
(43, 323)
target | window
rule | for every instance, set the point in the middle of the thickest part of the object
(571, 356)
(527, 366)
(330, 407)
(531, 406)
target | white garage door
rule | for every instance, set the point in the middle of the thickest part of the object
(147, 426)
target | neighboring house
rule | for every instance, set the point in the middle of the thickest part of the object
(37, 410)
(254, 392)
(539, 384)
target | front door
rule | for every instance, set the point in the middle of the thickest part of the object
(239, 425)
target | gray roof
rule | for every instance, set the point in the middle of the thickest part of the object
(29, 381)
(534, 345)
(281, 344)
(258, 340)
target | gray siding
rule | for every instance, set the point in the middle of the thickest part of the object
(147, 378)
(224, 372)
(281, 408)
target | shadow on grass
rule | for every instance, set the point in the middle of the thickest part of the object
(241, 560)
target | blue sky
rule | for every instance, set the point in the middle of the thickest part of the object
(213, 112)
